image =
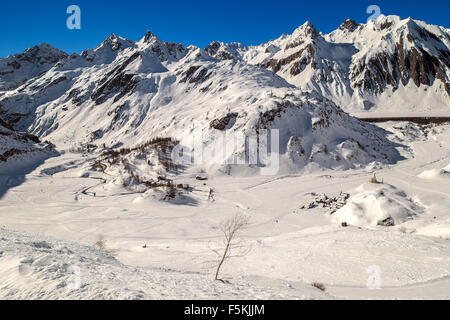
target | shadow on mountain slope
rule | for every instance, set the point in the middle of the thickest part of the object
(13, 175)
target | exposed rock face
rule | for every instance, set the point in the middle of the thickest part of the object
(176, 50)
(308, 30)
(213, 48)
(407, 62)
(39, 55)
(297, 62)
(113, 42)
(222, 124)
(119, 85)
(166, 51)
(422, 68)
(267, 118)
(15, 145)
(148, 36)
(195, 75)
(360, 66)
(225, 51)
(349, 25)
(6, 125)
(116, 82)
(16, 70)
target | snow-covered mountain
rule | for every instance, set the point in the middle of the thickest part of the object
(124, 93)
(17, 70)
(386, 65)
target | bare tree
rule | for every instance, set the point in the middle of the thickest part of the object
(101, 245)
(234, 247)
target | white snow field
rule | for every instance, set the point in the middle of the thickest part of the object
(153, 249)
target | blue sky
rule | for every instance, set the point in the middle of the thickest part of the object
(27, 23)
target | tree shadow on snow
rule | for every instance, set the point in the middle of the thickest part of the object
(185, 200)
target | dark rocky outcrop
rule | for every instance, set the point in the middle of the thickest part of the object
(222, 124)
(196, 74)
(268, 117)
(120, 85)
(349, 25)
(304, 56)
(116, 82)
(41, 54)
(404, 65)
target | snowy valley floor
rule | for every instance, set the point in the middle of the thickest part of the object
(162, 251)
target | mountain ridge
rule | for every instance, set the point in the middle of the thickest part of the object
(358, 66)
(125, 93)
(361, 66)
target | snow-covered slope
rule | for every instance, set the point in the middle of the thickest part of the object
(17, 149)
(125, 93)
(366, 67)
(17, 70)
(39, 267)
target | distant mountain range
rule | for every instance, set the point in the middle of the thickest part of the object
(124, 92)
(387, 65)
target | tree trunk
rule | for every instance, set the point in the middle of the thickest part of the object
(222, 261)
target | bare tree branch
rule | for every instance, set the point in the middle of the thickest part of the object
(230, 229)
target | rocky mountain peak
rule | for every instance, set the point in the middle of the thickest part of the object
(116, 43)
(149, 36)
(379, 64)
(225, 51)
(307, 29)
(112, 37)
(41, 54)
(16, 70)
(349, 25)
(213, 47)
